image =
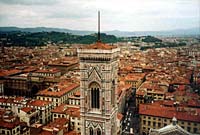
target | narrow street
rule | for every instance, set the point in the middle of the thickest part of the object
(130, 124)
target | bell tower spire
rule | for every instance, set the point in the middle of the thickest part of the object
(99, 38)
(98, 86)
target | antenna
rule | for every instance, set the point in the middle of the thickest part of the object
(99, 26)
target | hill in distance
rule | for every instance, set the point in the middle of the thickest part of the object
(177, 32)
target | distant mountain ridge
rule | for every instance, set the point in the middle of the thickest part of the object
(177, 32)
(45, 29)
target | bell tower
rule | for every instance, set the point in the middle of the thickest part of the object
(98, 68)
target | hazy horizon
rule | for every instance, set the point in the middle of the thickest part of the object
(101, 30)
(126, 15)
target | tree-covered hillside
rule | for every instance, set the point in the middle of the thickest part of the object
(42, 38)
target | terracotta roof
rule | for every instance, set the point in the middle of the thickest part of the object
(127, 87)
(150, 87)
(2, 111)
(65, 109)
(3, 100)
(9, 125)
(60, 109)
(62, 89)
(72, 111)
(101, 46)
(119, 116)
(72, 133)
(77, 94)
(194, 103)
(181, 87)
(119, 90)
(58, 123)
(134, 77)
(169, 94)
(53, 70)
(180, 93)
(180, 80)
(46, 133)
(123, 88)
(29, 69)
(9, 72)
(168, 103)
(140, 92)
(19, 99)
(27, 109)
(169, 112)
(39, 103)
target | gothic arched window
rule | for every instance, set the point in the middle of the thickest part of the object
(95, 96)
(113, 93)
(91, 131)
(98, 131)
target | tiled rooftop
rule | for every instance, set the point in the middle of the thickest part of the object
(58, 124)
(169, 112)
(9, 125)
(135, 77)
(67, 109)
(101, 46)
(27, 109)
(39, 103)
(59, 89)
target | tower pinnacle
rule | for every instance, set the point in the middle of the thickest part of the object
(99, 27)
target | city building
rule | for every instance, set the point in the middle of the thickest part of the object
(27, 84)
(59, 93)
(11, 125)
(74, 99)
(159, 114)
(149, 91)
(172, 129)
(58, 127)
(29, 115)
(17, 103)
(135, 79)
(44, 108)
(72, 113)
(65, 64)
(47, 72)
(124, 93)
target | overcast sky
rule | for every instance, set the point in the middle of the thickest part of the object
(126, 15)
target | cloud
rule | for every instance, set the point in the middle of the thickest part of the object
(29, 2)
(115, 14)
